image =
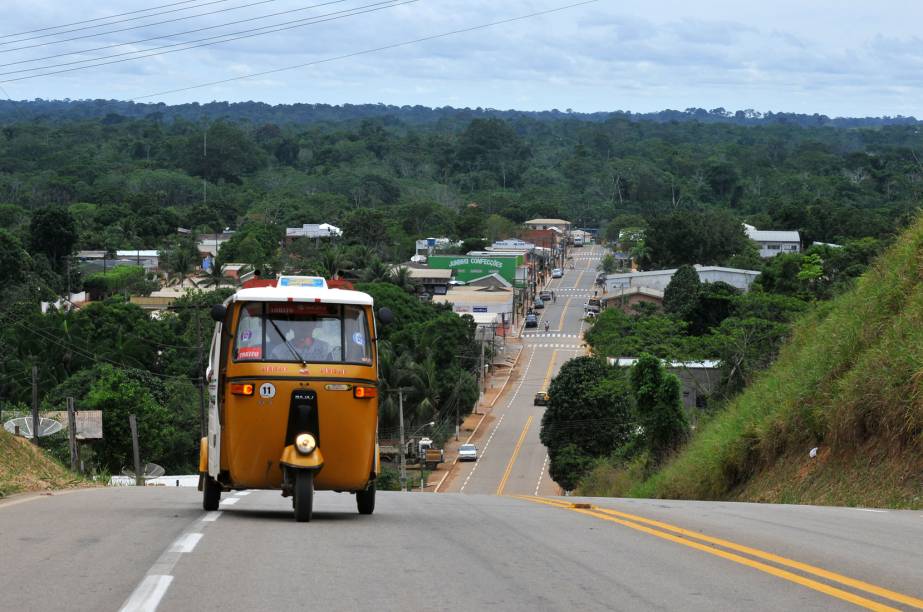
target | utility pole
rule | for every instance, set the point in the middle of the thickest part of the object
(72, 434)
(400, 416)
(35, 417)
(139, 476)
(201, 371)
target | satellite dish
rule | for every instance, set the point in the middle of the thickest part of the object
(46, 427)
(151, 470)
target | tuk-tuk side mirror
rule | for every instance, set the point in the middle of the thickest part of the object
(385, 316)
(219, 311)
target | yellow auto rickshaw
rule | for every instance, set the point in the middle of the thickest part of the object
(293, 381)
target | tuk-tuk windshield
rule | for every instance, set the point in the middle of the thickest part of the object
(296, 331)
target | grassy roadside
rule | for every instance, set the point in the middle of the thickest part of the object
(849, 382)
(23, 467)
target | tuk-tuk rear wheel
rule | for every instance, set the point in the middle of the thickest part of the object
(304, 495)
(365, 500)
(211, 494)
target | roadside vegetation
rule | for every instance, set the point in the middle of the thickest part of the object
(109, 175)
(846, 384)
(23, 467)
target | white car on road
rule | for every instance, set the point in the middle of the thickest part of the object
(467, 452)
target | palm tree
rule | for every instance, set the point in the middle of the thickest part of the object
(402, 278)
(360, 256)
(333, 261)
(425, 378)
(395, 375)
(376, 272)
(640, 253)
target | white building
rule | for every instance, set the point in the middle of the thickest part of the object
(490, 303)
(773, 242)
(313, 230)
(659, 279)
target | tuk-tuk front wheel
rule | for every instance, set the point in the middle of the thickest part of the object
(304, 495)
(211, 494)
(365, 500)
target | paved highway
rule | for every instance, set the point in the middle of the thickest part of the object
(154, 547)
(512, 459)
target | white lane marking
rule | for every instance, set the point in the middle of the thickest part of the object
(481, 456)
(541, 474)
(497, 426)
(211, 517)
(230, 501)
(186, 543)
(146, 597)
(870, 510)
(242, 493)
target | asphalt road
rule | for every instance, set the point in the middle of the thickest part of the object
(100, 549)
(512, 460)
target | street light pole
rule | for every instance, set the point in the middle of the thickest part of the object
(403, 476)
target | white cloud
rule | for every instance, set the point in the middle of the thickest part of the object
(835, 57)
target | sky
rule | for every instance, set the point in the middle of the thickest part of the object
(839, 58)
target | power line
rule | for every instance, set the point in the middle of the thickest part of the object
(64, 25)
(143, 25)
(364, 51)
(310, 21)
(136, 42)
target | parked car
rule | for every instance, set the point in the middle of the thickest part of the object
(545, 295)
(541, 398)
(538, 303)
(531, 320)
(557, 273)
(467, 452)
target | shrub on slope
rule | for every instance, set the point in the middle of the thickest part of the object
(849, 381)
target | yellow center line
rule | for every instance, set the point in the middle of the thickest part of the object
(637, 522)
(509, 466)
(554, 356)
(563, 313)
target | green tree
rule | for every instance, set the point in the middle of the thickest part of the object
(229, 153)
(118, 393)
(689, 237)
(570, 464)
(181, 257)
(682, 293)
(608, 264)
(53, 233)
(579, 414)
(659, 406)
(14, 261)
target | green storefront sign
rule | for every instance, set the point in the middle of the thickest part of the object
(468, 268)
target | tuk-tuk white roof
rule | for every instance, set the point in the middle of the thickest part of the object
(303, 294)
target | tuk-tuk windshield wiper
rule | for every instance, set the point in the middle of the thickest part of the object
(287, 343)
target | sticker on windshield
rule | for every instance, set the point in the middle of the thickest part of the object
(267, 390)
(359, 338)
(249, 352)
(246, 335)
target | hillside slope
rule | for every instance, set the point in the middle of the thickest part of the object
(848, 382)
(23, 467)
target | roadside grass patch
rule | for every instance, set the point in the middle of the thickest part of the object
(849, 380)
(23, 467)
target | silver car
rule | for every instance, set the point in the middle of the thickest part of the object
(467, 452)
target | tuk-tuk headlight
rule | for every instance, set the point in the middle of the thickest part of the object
(305, 443)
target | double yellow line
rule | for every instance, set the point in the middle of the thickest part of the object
(509, 466)
(721, 548)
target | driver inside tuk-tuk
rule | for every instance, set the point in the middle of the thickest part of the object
(306, 344)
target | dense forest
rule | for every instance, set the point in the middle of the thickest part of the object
(109, 175)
